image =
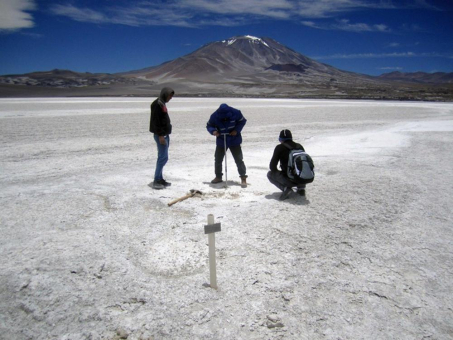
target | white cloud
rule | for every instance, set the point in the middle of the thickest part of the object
(310, 24)
(193, 13)
(385, 55)
(14, 14)
(345, 25)
(142, 14)
(280, 9)
(186, 13)
(411, 28)
(80, 14)
(330, 8)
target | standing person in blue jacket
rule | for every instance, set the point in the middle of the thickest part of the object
(230, 121)
(160, 125)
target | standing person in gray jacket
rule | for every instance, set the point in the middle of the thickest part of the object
(160, 126)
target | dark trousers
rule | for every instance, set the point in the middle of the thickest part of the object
(278, 179)
(236, 151)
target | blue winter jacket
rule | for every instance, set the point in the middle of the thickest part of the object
(226, 119)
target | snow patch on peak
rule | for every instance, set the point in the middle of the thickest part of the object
(229, 41)
(250, 37)
(256, 40)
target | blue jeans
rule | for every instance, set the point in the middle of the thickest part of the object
(162, 157)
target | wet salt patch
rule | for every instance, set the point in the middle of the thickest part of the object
(364, 142)
(376, 140)
(425, 126)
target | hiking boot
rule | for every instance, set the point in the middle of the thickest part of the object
(301, 192)
(285, 193)
(156, 185)
(243, 181)
(301, 189)
(217, 180)
(164, 182)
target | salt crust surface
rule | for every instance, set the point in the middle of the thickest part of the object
(89, 251)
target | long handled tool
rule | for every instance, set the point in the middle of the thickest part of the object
(191, 193)
(226, 162)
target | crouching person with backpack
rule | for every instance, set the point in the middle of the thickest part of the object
(297, 168)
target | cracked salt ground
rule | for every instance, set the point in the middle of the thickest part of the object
(89, 251)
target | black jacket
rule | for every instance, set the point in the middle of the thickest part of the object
(281, 154)
(160, 120)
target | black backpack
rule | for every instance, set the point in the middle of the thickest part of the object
(300, 165)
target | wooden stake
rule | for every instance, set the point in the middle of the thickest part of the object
(212, 264)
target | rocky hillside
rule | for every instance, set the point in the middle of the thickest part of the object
(248, 59)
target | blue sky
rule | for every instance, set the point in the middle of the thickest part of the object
(364, 36)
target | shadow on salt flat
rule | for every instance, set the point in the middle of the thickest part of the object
(293, 198)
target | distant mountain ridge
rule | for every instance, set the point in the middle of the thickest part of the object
(63, 79)
(419, 77)
(241, 66)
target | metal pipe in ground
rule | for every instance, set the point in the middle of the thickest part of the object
(226, 164)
